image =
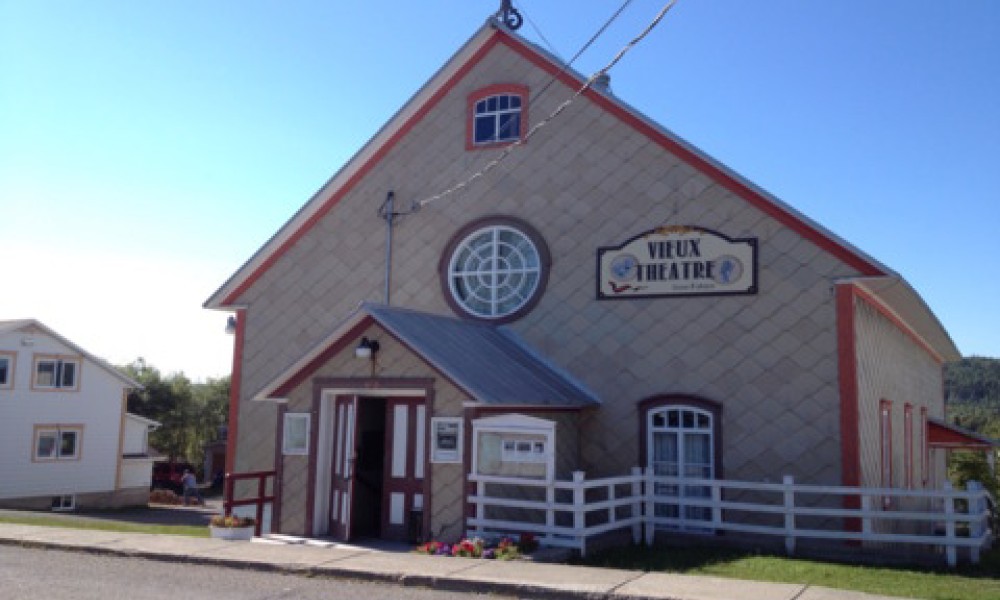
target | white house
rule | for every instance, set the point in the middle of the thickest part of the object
(66, 439)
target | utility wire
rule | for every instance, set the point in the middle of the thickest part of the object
(541, 35)
(559, 109)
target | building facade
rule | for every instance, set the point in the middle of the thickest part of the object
(607, 296)
(66, 439)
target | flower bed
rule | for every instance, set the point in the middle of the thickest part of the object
(501, 549)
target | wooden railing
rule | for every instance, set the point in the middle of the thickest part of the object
(573, 511)
(259, 500)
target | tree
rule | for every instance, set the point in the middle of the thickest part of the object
(190, 414)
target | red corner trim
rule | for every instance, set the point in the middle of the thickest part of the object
(848, 367)
(899, 323)
(708, 168)
(235, 385)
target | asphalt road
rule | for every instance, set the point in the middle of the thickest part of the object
(29, 574)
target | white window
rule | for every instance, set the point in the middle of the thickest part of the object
(296, 433)
(6, 370)
(681, 442)
(497, 119)
(53, 442)
(56, 373)
(60, 503)
(494, 272)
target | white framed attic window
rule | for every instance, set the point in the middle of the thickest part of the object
(56, 373)
(497, 115)
(295, 436)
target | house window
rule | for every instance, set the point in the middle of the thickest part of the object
(295, 438)
(497, 115)
(61, 503)
(496, 269)
(57, 442)
(6, 370)
(908, 445)
(56, 373)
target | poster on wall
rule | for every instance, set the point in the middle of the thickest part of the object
(446, 439)
(677, 260)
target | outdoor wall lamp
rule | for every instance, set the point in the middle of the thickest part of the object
(366, 349)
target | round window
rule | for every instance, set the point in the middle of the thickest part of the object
(497, 271)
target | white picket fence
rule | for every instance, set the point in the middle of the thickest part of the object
(567, 513)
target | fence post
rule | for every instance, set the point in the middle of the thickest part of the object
(261, 487)
(579, 515)
(550, 510)
(977, 504)
(649, 516)
(636, 505)
(717, 504)
(949, 526)
(866, 520)
(480, 506)
(789, 493)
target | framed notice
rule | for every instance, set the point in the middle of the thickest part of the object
(446, 439)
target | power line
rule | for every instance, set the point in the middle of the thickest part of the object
(559, 109)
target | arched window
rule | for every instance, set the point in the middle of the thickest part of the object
(681, 440)
(498, 115)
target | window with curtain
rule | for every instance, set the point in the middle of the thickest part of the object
(681, 444)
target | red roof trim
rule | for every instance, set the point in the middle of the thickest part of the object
(942, 436)
(293, 380)
(723, 178)
(363, 171)
(700, 163)
(899, 323)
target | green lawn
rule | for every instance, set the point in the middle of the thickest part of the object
(101, 525)
(981, 582)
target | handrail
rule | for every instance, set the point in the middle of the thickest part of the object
(259, 500)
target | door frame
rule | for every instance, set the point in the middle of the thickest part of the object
(325, 390)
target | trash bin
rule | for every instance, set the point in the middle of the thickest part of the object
(417, 525)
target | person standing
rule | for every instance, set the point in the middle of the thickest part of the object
(190, 484)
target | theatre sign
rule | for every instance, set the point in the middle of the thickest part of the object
(677, 260)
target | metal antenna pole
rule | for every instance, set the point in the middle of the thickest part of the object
(389, 214)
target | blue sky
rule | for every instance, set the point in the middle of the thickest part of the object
(147, 149)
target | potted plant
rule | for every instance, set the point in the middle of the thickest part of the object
(231, 527)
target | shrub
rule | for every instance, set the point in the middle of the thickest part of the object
(232, 521)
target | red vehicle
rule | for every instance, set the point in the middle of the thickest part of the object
(167, 475)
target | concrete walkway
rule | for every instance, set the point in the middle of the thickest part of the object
(517, 578)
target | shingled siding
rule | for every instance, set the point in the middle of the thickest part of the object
(586, 180)
(891, 366)
(394, 361)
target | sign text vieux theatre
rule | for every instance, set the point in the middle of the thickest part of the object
(677, 260)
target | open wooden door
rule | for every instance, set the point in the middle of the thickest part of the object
(344, 458)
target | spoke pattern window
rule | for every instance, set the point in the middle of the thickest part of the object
(496, 272)
(56, 373)
(54, 442)
(681, 444)
(6, 370)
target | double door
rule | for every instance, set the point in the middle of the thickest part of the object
(378, 467)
